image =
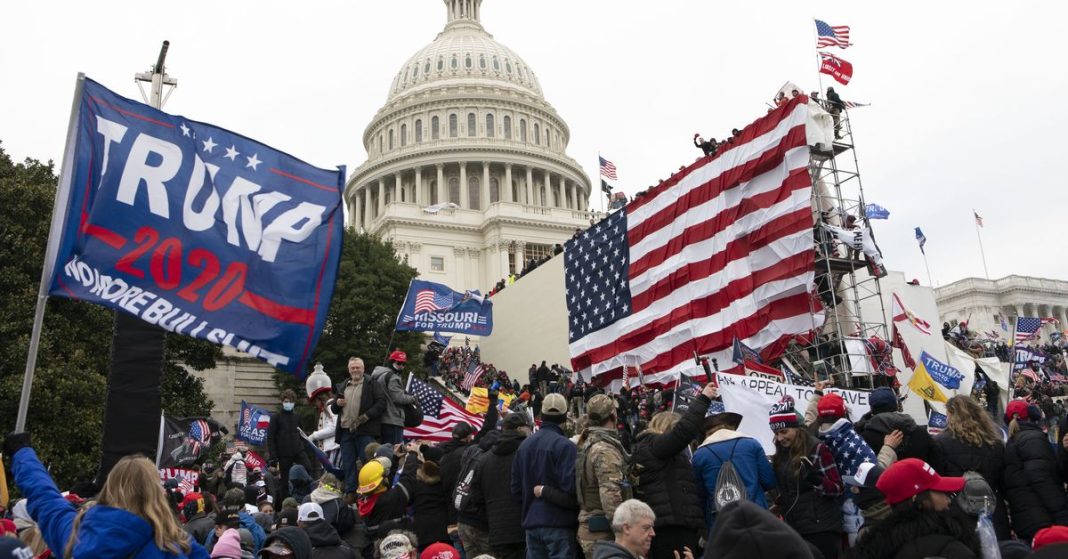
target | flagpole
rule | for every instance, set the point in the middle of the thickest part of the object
(928, 266)
(397, 321)
(982, 252)
(55, 233)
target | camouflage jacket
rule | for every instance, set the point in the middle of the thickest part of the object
(601, 474)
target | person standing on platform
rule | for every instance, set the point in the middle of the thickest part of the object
(359, 407)
(284, 444)
(390, 379)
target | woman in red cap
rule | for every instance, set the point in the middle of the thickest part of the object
(1031, 480)
(921, 523)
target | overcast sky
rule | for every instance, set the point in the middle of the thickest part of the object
(968, 99)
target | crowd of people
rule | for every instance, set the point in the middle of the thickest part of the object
(584, 473)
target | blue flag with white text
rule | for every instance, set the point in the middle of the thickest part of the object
(875, 211)
(253, 423)
(943, 374)
(196, 229)
(434, 307)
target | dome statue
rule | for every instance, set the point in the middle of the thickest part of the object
(467, 172)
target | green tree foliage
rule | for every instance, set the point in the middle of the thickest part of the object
(370, 289)
(69, 388)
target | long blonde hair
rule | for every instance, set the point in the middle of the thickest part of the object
(31, 536)
(663, 422)
(133, 485)
(969, 422)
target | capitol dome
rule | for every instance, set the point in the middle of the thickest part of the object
(467, 172)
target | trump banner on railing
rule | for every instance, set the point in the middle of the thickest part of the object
(196, 229)
(433, 307)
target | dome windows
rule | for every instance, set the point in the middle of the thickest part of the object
(522, 130)
(455, 62)
(495, 190)
(508, 66)
(473, 198)
(482, 61)
(441, 63)
(454, 126)
(454, 190)
(537, 134)
(490, 128)
(496, 64)
(435, 128)
(404, 135)
(426, 67)
(467, 62)
(418, 131)
(472, 125)
(391, 138)
(415, 72)
(507, 127)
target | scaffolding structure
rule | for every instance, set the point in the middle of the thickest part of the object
(846, 280)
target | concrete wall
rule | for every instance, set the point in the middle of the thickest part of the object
(529, 322)
(238, 377)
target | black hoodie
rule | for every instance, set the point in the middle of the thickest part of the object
(745, 530)
(295, 538)
(325, 542)
(917, 534)
(494, 496)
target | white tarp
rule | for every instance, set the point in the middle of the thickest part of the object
(819, 126)
(753, 397)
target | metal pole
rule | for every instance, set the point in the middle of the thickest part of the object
(982, 252)
(55, 233)
(925, 265)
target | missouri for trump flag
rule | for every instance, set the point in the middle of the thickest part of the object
(720, 251)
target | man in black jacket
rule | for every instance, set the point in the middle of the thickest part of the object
(835, 106)
(359, 406)
(284, 443)
(886, 417)
(325, 542)
(463, 435)
(506, 536)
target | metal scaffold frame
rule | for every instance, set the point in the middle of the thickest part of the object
(843, 281)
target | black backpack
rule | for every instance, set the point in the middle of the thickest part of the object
(461, 496)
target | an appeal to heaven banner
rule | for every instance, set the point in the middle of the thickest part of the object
(197, 229)
(752, 398)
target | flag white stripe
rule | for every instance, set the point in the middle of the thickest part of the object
(729, 160)
(703, 250)
(767, 182)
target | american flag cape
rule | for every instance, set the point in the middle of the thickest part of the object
(848, 447)
(721, 250)
(440, 414)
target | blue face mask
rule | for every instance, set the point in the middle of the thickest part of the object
(288, 406)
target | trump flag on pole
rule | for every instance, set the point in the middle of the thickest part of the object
(433, 307)
(192, 227)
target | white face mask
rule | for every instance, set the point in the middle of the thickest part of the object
(288, 406)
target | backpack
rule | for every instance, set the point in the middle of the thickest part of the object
(461, 496)
(729, 485)
(630, 470)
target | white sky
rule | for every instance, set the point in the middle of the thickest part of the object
(968, 99)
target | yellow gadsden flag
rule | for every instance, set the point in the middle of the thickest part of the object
(922, 384)
(478, 402)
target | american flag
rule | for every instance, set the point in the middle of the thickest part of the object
(831, 36)
(439, 414)
(474, 372)
(721, 250)
(854, 104)
(849, 449)
(429, 300)
(608, 169)
(1027, 328)
(1049, 320)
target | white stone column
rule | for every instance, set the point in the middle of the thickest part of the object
(419, 187)
(547, 182)
(561, 202)
(356, 211)
(502, 249)
(441, 184)
(530, 187)
(397, 188)
(484, 195)
(506, 188)
(381, 196)
(465, 197)
(520, 255)
(367, 207)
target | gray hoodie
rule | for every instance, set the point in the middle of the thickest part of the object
(396, 397)
(608, 549)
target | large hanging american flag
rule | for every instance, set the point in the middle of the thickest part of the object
(440, 414)
(721, 250)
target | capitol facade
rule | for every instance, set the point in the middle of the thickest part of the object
(467, 172)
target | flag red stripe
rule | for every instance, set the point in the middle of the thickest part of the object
(719, 223)
(728, 179)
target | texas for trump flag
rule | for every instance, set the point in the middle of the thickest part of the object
(194, 228)
(835, 67)
(720, 251)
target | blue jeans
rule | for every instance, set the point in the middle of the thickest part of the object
(392, 434)
(352, 455)
(551, 543)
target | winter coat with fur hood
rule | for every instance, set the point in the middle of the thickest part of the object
(917, 534)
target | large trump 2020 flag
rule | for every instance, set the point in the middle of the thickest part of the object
(194, 228)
